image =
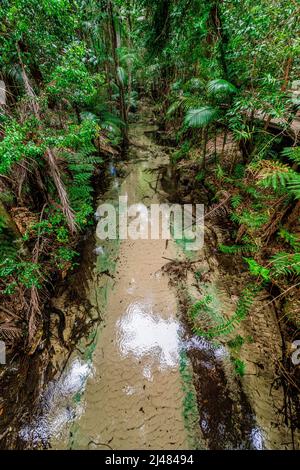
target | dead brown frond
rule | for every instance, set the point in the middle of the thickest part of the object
(49, 155)
(221, 208)
(34, 321)
(10, 332)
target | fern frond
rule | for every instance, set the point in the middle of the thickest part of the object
(238, 249)
(293, 153)
(285, 264)
(236, 201)
(294, 185)
(243, 307)
(290, 238)
(273, 174)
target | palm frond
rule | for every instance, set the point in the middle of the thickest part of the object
(220, 86)
(122, 75)
(201, 117)
(174, 107)
(88, 116)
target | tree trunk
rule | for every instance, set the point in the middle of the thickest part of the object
(224, 141)
(216, 20)
(77, 112)
(129, 22)
(114, 46)
(216, 136)
(204, 147)
(288, 67)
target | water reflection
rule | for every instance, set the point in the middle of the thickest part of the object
(142, 333)
(59, 404)
(202, 344)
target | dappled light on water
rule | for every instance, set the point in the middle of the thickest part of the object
(142, 333)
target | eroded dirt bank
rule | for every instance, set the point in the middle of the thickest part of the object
(143, 379)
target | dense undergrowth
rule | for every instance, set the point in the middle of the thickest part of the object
(59, 123)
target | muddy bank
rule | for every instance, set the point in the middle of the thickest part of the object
(248, 411)
(266, 334)
(25, 376)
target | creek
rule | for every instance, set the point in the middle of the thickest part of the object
(142, 379)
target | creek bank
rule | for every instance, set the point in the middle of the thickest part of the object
(25, 376)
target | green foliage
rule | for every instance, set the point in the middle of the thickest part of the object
(285, 264)
(72, 78)
(23, 273)
(221, 87)
(236, 201)
(220, 173)
(293, 153)
(236, 343)
(237, 249)
(276, 176)
(239, 171)
(65, 256)
(243, 307)
(289, 238)
(200, 176)
(17, 145)
(203, 305)
(239, 367)
(253, 220)
(201, 117)
(279, 177)
(293, 185)
(8, 245)
(258, 270)
(182, 152)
